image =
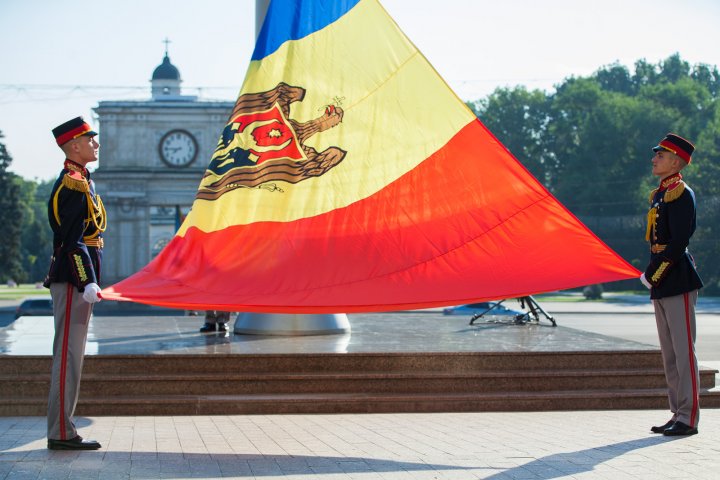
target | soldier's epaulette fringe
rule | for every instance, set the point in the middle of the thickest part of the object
(652, 195)
(75, 181)
(674, 192)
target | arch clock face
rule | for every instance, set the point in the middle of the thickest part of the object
(178, 148)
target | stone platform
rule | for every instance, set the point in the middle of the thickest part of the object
(419, 361)
(400, 332)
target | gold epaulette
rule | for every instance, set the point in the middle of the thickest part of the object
(75, 181)
(652, 195)
(674, 192)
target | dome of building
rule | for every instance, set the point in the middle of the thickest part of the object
(166, 71)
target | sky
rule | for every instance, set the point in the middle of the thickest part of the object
(58, 59)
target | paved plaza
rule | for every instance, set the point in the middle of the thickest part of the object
(546, 445)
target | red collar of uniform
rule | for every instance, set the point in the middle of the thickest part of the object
(76, 167)
(670, 182)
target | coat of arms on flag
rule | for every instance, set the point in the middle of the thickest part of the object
(262, 144)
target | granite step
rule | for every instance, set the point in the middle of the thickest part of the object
(324, 362)
(358, 403)
(349, 382)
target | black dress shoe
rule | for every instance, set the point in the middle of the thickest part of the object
(679, 428)
(76, 443)
(208, 327)
(221, 327)
(662, 428)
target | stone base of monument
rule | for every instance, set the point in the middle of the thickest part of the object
(393, 362)
(291, 324)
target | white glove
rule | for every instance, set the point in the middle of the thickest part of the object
(91, 293)
(645, 282)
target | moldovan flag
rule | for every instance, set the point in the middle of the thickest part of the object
(350, 178)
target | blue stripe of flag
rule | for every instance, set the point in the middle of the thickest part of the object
(296, 19)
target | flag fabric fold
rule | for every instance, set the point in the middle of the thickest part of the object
(349, 178)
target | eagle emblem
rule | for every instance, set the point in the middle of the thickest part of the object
(261, 144)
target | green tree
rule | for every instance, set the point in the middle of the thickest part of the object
(645, 74)
(36, 233)
(602, 141)
(704, 177)
(616, 78)
(10, 219)
(707, 76)
(519, 117)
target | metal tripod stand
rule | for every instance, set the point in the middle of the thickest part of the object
(532, 315)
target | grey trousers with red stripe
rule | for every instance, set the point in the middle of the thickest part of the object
(72, 317)
(675, 318)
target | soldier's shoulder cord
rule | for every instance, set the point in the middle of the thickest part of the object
(674, 191)
(75, 181)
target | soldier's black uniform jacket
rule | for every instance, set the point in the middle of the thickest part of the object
(77, 218)
(671, 223)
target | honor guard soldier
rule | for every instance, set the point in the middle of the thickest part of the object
(674, 282)
(77, 218)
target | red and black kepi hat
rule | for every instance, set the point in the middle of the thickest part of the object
(74, 128)
(677, 145)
